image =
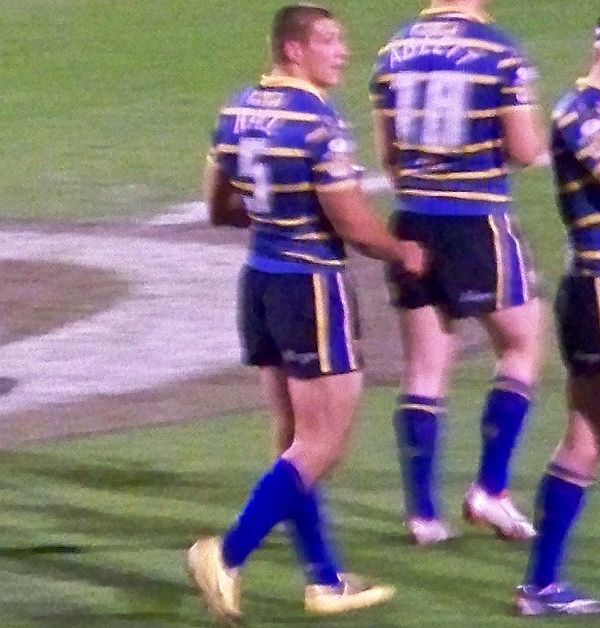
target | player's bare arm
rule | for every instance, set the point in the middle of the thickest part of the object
(225, 205)
(356, 222)
(525, 139)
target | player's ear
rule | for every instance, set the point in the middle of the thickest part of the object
(293, 51)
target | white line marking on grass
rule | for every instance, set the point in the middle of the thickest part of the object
(182, 214)
(197, 211)
(178, 320)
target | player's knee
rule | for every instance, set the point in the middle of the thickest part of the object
(583, 452)
(331, 452)
(319, 455)
(519, 356)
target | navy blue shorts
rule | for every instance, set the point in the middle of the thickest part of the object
(478, 264)
(305, 323)
(577, 310)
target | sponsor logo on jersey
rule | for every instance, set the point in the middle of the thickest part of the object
(267, 99)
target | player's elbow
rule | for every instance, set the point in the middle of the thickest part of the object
(528, 153)
(346, 230)
(216, 216)
(525, 139)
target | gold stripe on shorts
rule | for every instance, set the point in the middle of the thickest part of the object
(348, 334)
(322, 313)
(520, 256)
(597, 290)
(499, 262)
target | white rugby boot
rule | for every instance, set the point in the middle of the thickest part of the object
(497, 512)
(429, 531)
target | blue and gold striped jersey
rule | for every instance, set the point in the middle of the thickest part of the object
(280, 143)
(576, 154)
(441, 84)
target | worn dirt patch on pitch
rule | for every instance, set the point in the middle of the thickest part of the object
(36, 297)
(40, 296)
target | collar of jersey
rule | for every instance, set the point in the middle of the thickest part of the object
(273, 80)
(480, 16)
(586, 81)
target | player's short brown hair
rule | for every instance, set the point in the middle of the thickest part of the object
(293, 23)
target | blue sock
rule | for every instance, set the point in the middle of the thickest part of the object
(558, 503)
(313, 544)
(501, 423)
(416, 423)
(273, 499)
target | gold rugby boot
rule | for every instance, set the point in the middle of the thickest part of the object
(353, 593)
(218, 584)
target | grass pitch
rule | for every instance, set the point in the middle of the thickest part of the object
(108, 108)
(93, 530)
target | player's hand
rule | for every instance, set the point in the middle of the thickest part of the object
(414, 257)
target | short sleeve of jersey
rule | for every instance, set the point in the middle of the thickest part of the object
(518, 79)
(580, 130)
(332, 149)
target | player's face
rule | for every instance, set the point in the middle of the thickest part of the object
(325, 53)
(478, 4)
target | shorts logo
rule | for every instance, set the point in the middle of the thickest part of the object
(472, 296)
(300, 358)
(588, 358)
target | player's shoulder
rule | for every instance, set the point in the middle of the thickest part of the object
(313, 102)
(399, 34)
(236, 99)
(566, 103)
(284, 101)
(453, 26)
(577, 105)
(507, 43)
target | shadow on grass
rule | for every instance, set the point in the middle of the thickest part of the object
(372, 538)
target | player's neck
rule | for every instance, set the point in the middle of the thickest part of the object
(474, 7)
(294, 73)
(286, 75)
(593, 76)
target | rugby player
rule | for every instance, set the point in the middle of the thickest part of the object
(282, 163)
(454, 108)
(574, 466)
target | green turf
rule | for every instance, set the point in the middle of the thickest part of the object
(107, 110)
(108, 106)
(93, 530)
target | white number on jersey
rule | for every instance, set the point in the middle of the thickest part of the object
(252, 166)
(432, 112)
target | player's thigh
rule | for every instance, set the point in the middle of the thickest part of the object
(579, 448)
(516, 328)
(577, 312)
(578, 326)
(484, 265)
(258, 345)
(314, 321)
(406, 291)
